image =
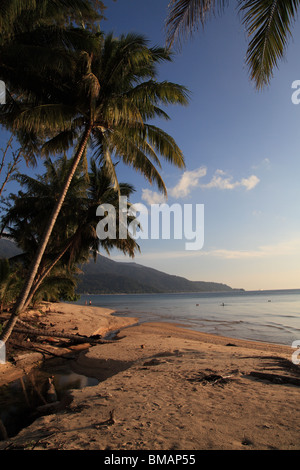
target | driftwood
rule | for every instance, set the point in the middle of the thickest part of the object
(55, 334)
(275, 378)
(76, 338)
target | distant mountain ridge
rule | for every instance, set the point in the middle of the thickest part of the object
(112, 277)
(8, 248)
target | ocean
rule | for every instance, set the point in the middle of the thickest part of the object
(268, 316)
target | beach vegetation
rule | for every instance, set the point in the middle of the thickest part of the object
(74, 236)
(35, 37)
(81, 90)
(10, 283)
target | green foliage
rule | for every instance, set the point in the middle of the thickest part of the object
(10, 282)
(268, 25)
(26, 15)
(74, 236)
(37, 43)
(68, 297)
(112, 88)
(70, 89)
(4, 270)
(60, 284)
(267, 22)
(185, 16)
(36, 38)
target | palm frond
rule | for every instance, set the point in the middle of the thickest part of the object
(127, 58)
(118, 110)
(152, 92)
(131, 154)
(165, 145)
(185, 16)
(43, 118)
(60, 143)
(18, 14)
(268, 24)
(110, 169)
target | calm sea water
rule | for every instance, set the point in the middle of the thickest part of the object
(271, 316)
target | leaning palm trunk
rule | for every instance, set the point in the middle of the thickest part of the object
(43, 276)
(22, 299)
(118, 115)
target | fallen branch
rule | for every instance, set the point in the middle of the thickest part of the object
(275, 378)
(94, 339)
(33, 347)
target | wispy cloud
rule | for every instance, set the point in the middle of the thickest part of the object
(285, 248)
(221, 180)
(152, 197)
(192, 179)
(257, 213)
(188, 181)
(264, 164)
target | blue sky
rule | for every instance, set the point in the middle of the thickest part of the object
(241, 150)
(246, 141)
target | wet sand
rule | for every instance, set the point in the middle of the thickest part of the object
(164, 387)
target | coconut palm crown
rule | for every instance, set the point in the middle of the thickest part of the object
(104, 101)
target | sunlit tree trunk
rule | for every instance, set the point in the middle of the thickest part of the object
(22, 299)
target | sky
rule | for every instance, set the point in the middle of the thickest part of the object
(241, 150)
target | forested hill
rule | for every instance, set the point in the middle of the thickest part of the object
(111, 277)
(108, 276)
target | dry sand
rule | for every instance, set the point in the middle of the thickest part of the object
(151, 397)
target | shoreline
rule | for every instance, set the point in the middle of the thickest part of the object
(259, 318)
(67, 318)
(150, 379)
(258, 342)
(122, 320)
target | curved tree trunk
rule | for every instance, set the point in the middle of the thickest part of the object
(41, 278)
(19, 305)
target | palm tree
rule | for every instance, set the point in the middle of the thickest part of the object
(18, 15)
(37, 36)
(74, 236)
(106, 103)
(40, 35)
(267, 22)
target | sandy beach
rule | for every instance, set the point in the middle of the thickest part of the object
(164, 387)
